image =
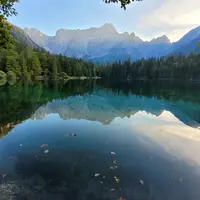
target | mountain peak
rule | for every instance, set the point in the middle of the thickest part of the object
(135, 38)
(108, 26)
(161, 39)
(33, 31)
(132, 34)
(191, 35)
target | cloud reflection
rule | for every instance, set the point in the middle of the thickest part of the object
(168, 133)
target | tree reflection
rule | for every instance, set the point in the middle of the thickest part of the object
(19, 101)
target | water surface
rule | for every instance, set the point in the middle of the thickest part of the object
(93, 140)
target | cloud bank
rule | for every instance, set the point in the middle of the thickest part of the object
(170, 17)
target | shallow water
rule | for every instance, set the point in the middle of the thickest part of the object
(88, 140)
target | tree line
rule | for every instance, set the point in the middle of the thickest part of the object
(26, 62)
(176, 67)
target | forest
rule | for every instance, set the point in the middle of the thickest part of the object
(175, 67)
(23, 61)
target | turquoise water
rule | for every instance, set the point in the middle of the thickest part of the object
(90, 140)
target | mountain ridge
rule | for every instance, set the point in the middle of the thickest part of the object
(21, 36)
(106, 27)
(95, 42)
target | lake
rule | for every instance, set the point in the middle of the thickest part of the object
(95, 140)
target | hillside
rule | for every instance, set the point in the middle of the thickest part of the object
(21, 36)
(26, 59)
(188, 43)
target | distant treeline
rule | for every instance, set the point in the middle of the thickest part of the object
(176, 67)
(24, 61)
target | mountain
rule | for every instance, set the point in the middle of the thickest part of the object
(160, 40)
(88, 43)
(119, 52)
(191, 47)
(188, 43)
(104, 107)
(37, 36)
(74, 43)
(189, 37)
(106, 44)
(21, 36)
(116, 53)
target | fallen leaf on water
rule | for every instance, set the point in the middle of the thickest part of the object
(72, 134)
(97, 174)
(113, 153)
(142, 182)
(116, 179)
(4, 175)
(116, 162)
(112, 167)
(46, 151)
(44, 145)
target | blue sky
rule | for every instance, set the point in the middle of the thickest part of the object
(148, 19)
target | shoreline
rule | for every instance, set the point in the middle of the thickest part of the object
(43, 78)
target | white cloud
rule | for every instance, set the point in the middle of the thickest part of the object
(172, 17)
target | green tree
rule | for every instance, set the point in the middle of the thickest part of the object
(35, 65)
(44, 62)
(13, 65)
(3, 78)
(6, 10)
(11, 75)
(123, 3)
(2, 75)
(23, 64)
(2, 59)
(54, 70)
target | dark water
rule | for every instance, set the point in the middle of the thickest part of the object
(86, 140)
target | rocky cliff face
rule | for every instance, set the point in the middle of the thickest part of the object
(94, 42)
(103, 44)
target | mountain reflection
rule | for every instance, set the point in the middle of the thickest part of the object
(161, 122)
(144, 135)
(93, 99)
(104, 106)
